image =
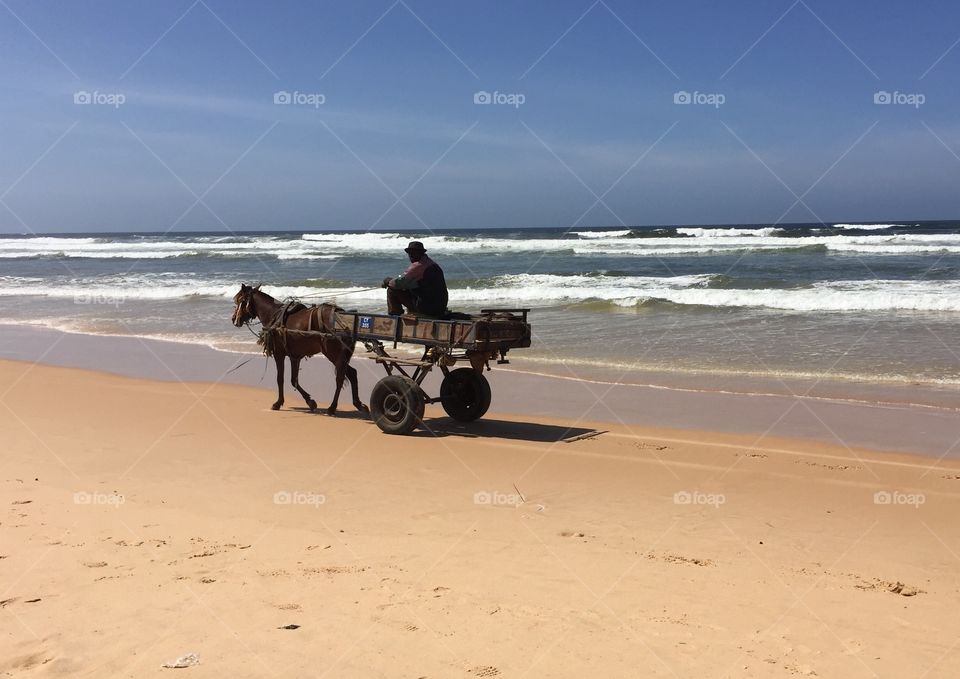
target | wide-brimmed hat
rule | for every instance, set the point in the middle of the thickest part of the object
(415, 246)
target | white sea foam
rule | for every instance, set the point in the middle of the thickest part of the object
(146, 248)
(699, 240)
(518, 287)
(867, 227)
(703, 232)
(536, 290)
(601, 234)
(835, 296)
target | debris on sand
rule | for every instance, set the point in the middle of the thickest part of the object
(188, 660)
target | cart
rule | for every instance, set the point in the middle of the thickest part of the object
(398, 399)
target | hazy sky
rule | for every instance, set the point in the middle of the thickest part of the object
(158, 115)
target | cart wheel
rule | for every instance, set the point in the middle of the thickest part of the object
(465, 394)
(397, 404)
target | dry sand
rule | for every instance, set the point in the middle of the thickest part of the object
(142, 522)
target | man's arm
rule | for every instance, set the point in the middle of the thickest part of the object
(410, 278)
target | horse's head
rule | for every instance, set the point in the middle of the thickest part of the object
(244, 311)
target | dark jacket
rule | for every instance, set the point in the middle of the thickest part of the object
(425, 282)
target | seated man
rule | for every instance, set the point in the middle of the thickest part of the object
(421, 288)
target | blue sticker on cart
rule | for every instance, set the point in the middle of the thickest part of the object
(366, 323)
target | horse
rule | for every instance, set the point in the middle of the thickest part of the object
(294, 330)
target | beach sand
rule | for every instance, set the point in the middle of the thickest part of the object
(146, 520)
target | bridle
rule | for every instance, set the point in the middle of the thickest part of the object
(244, 313)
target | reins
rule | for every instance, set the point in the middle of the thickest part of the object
(342, 294)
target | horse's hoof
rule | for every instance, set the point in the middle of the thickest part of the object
(312, 405)
(331, 411)
(363, 408)
(276, 406)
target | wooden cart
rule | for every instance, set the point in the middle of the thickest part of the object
(397, 401)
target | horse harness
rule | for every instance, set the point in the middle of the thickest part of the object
(315, 324)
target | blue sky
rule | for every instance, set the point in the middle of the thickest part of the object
(399, 142)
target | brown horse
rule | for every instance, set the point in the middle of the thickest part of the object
(294, 331)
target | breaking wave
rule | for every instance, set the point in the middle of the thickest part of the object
(590, 292)
(859, 239)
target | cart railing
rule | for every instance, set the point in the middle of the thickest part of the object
(491, 330)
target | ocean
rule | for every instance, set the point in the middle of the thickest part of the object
(700, 307)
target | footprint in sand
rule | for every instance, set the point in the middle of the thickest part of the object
(333, 570)
(276, 573)
(570, 534)
(678, 558)
(94, 564)
(485, 671)
(885, 585)
(26, 662)
(643, 445)
(902, 589)
(833, 467)
(201, 555)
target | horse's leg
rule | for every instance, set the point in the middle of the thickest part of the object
(355, 388)
(295, 381)
(339, 366)
(279, 358)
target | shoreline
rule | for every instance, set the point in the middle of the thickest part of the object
(829, 387)
(891, 426)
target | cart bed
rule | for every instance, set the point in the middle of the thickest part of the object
(489, 331)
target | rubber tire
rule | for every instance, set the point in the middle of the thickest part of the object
(397, 404)
(465, 394)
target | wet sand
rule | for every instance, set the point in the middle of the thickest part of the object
(931, 429)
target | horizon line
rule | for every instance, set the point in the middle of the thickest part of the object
(35, 234)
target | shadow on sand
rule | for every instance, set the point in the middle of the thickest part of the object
(434, 427)
(348, 413)
(504, 429)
